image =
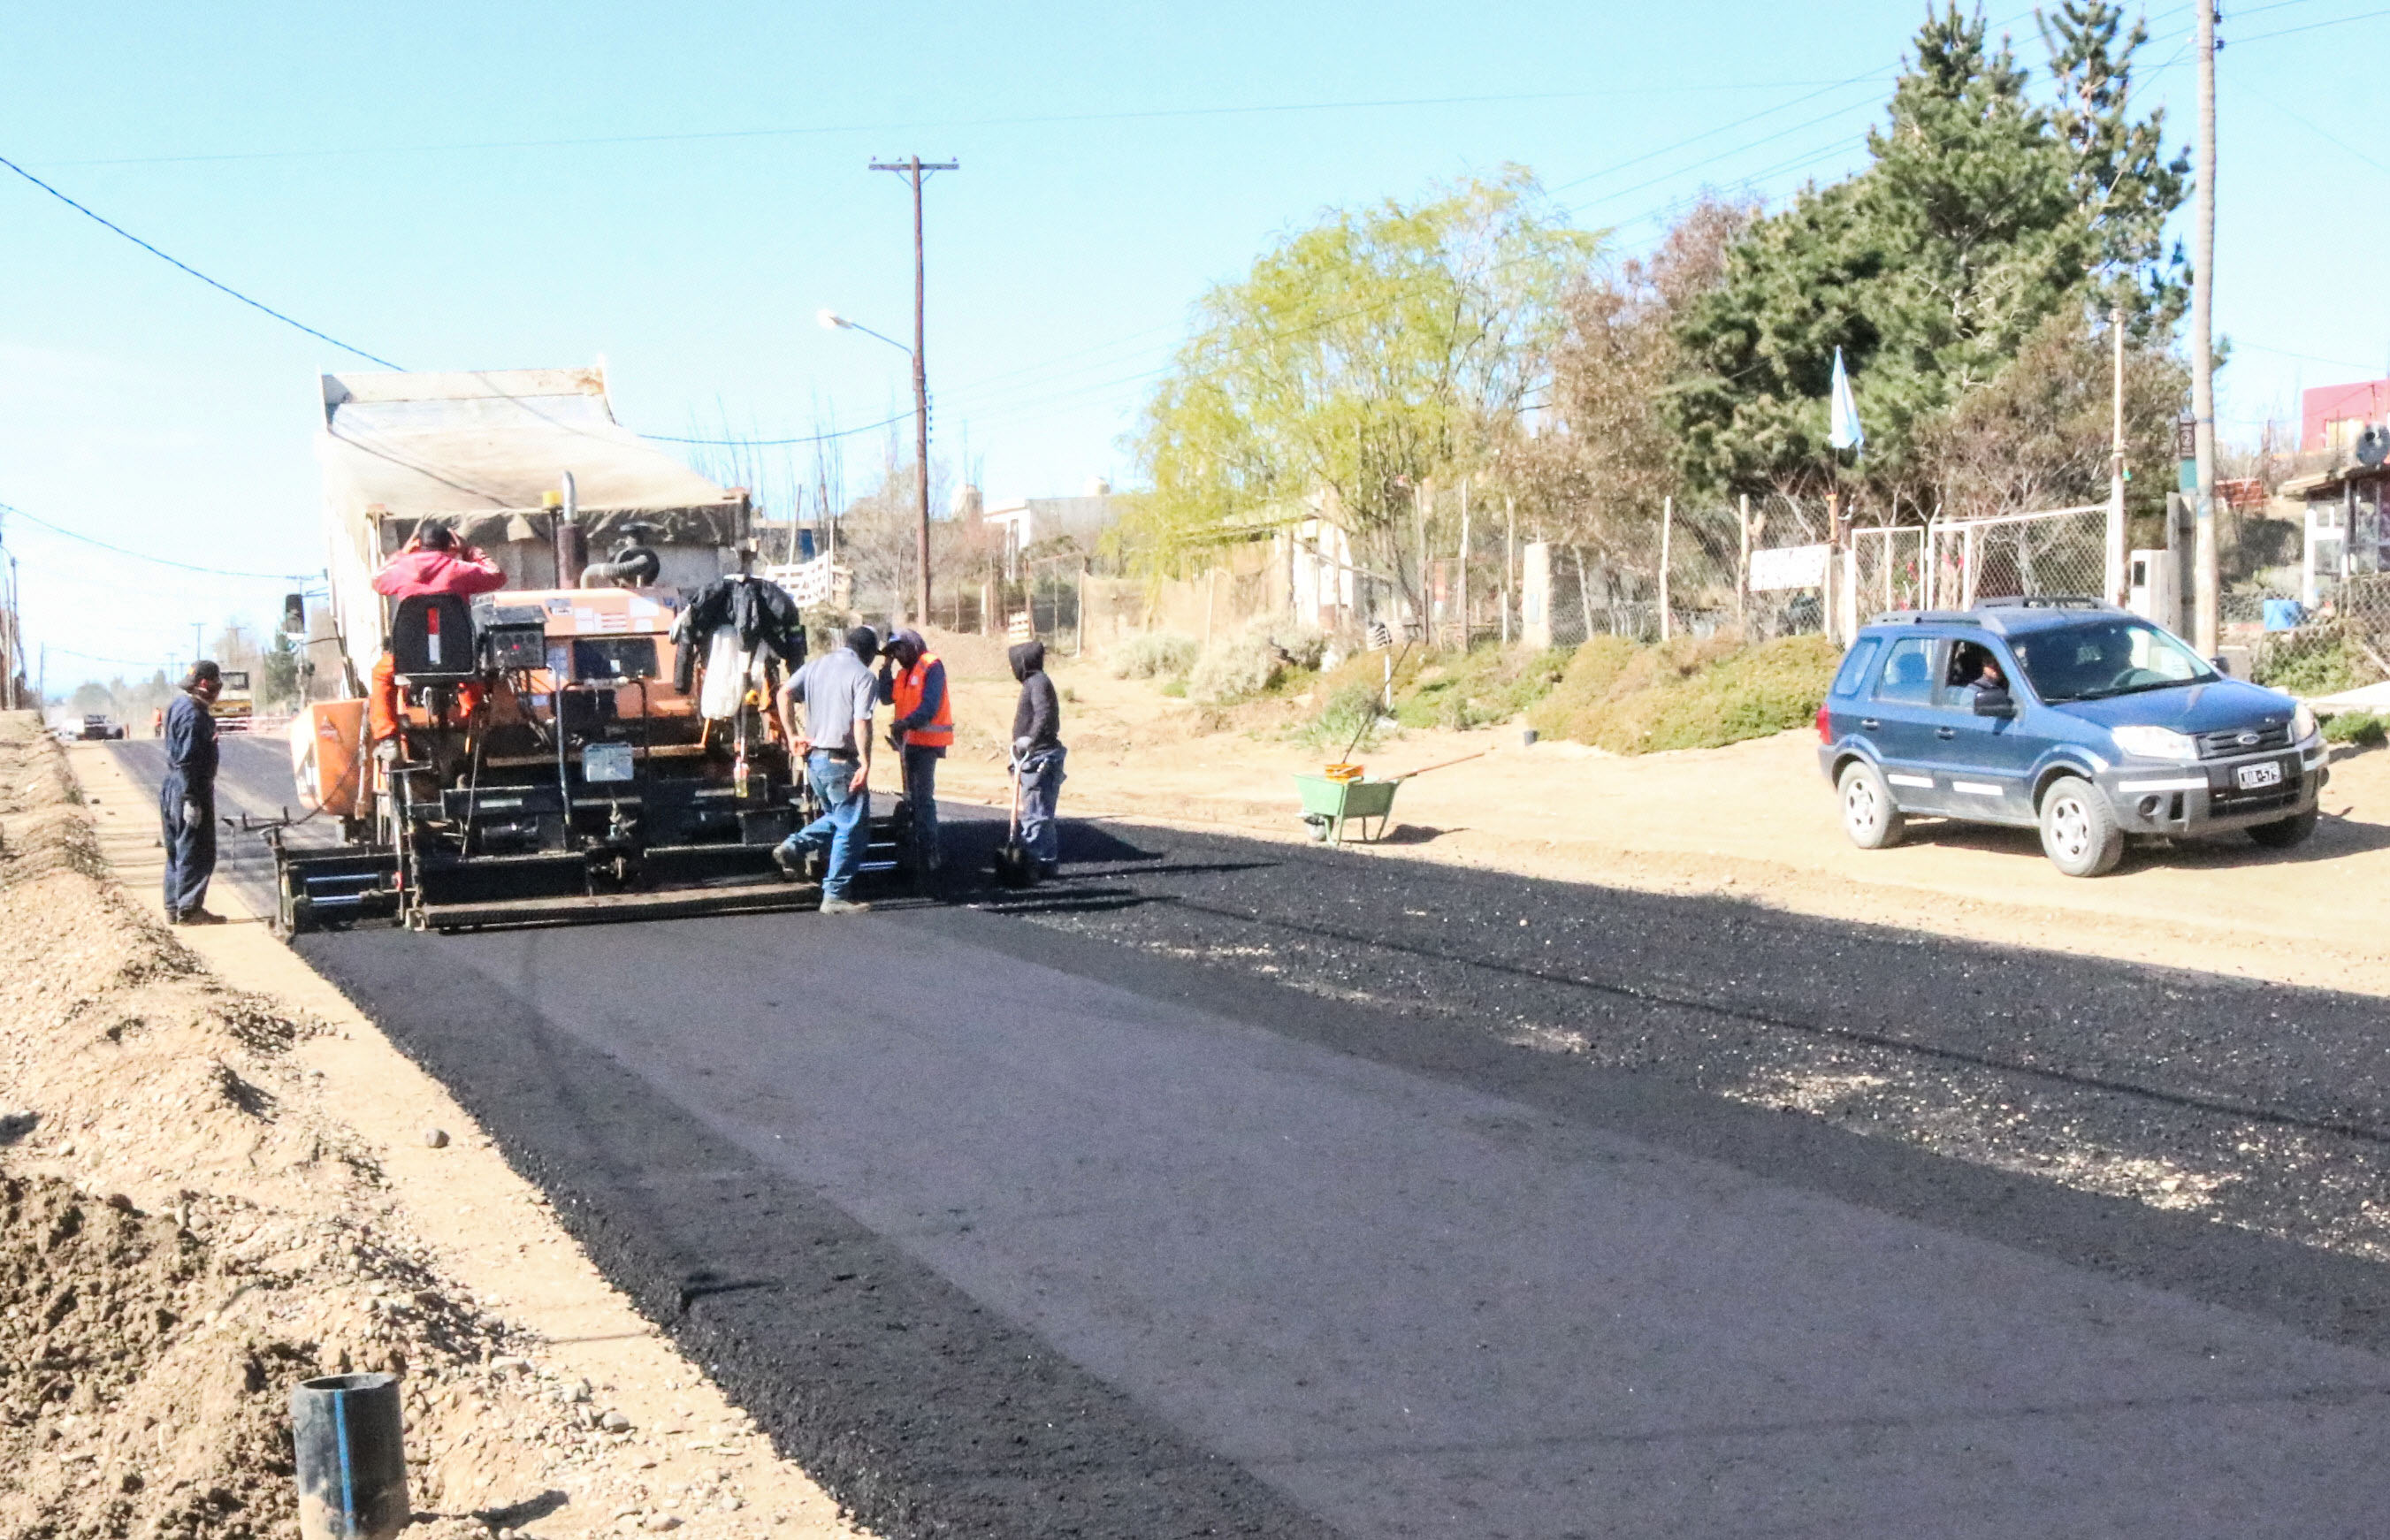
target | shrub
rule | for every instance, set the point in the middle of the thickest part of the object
(1487, 684)
(1162, 655)
(1236, 668)
(2318, 660)
(1686, 693)
(2365, 730)
(1349, 721)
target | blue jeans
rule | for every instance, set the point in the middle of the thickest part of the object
(1041, 788)
(844, 826)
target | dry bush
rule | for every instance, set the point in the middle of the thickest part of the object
(1687, 693)
(1162, 655)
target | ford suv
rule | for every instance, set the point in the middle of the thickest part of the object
(2068, 716)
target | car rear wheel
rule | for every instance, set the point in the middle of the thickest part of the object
(1869, 817)
(2078, 832)
(2290, 831)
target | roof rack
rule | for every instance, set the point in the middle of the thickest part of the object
(1926, 617)
(2043, 601)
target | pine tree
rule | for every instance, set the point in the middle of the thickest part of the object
(2121, 178)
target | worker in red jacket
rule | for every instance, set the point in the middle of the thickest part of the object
(432, 561)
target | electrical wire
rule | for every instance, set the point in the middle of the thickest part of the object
(177, 262)
(769, 443)
(11, 510)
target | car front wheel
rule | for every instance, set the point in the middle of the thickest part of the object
(2078, 832)
(1870, 815)
(2290, 831)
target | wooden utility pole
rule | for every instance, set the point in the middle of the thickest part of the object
(1422, 497)
(914, 169)
(1510, 559)
(2209, 611)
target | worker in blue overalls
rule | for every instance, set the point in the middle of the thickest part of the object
(186, 798)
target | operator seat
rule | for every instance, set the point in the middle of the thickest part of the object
(432, 640)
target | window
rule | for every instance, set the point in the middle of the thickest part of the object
(1851, 678)
(1908, 672)
(596, 659)
(1973, 665)
(2104, 658)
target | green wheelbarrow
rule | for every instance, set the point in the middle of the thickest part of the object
(1328, 805)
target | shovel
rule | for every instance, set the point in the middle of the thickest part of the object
(1014, 865)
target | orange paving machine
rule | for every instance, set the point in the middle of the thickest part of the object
(530, 761)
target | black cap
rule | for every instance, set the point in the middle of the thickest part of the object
(201, 672)
(865, 641)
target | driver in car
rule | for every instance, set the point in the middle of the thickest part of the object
(1972, 667)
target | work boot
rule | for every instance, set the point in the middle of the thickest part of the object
(791, 864)
(844, 906)
(198, 917)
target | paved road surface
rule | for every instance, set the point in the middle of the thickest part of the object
(1006, 1229)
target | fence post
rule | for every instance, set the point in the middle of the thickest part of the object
(1742, 564)
(1667, 526)
(1464, 565)
(1509, 559)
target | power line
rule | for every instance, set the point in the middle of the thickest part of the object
(768, 443)
(253, 304)
(1039, 120)
(143, 556)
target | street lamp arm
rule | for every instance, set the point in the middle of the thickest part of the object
(830, 318)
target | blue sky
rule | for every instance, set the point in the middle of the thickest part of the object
(394, 176)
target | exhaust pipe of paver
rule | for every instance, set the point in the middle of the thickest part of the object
(572, 540)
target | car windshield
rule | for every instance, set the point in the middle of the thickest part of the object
(2104, 658)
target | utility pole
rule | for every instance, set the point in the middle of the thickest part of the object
(2203, 347)
(2117, 559)
(914, 169)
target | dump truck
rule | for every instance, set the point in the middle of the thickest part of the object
(544, 754)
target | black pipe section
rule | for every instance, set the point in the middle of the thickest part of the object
(633, 566)
(346, 1431)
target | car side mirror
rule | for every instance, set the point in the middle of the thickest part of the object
(1995, 703)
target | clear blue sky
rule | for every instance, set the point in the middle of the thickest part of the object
(1116, 160)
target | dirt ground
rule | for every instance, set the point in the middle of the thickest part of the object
(217, 1179)
(1756, 819)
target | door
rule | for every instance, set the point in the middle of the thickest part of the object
(1900, 719)
(1978, 763)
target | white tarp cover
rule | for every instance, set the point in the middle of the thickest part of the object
(481, 450)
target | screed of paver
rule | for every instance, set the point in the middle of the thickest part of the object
(685, 1443)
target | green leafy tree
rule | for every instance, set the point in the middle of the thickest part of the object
(1377, 348)
(277, 673)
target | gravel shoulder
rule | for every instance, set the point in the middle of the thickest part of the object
(255, 1185)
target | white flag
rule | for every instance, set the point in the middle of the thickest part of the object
(1842, 430)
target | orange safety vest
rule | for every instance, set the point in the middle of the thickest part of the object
(906, 689)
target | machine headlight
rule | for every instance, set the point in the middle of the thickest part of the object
(2143, 742)
(2303, 722)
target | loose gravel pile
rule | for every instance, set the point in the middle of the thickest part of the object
(186, 1230)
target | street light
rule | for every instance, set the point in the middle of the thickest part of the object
(832, 321)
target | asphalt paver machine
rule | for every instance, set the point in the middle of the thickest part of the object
(546, 769)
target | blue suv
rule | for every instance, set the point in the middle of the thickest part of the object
(2068, 716)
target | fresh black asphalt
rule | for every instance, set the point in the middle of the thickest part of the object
(1061, 1215)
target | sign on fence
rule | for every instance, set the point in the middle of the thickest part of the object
(1790, 567)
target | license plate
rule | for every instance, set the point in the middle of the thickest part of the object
(2249, 777)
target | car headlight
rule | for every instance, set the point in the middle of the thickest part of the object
(2303, 722)
(2143, 742)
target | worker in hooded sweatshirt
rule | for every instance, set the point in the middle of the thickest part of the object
(913, 685)
(1037, 755)
(432, 561)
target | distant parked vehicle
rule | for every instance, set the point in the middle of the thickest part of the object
(2068, 716)
(96, 727)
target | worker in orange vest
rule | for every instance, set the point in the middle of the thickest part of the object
(913, 681)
